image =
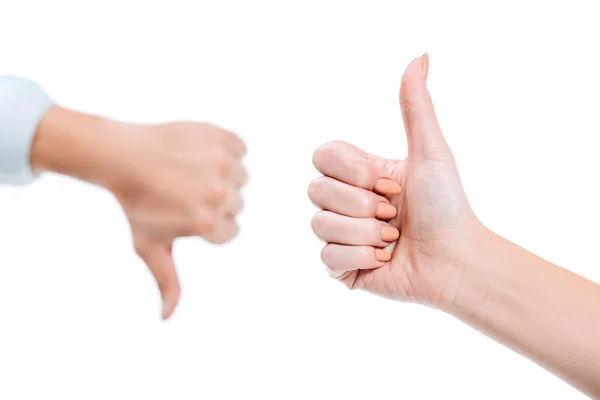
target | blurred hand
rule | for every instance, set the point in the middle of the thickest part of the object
(397, 228)
(173, 180)
(184, 180)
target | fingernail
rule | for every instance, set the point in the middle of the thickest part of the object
(389, 234)
(382, 255)
(387, 186)
(425, 63)
(385, 211)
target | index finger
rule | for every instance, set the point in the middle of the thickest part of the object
(352, 165)
(230, 141)
(235, 145)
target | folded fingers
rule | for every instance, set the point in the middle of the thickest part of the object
(217, 223)
(351, 193)
(330, 194)
(233, 203)
(350, 164)
(335, 228)
(340, 258)
(224, 230)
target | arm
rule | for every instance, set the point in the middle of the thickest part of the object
(432, 249)
(82, 146)
(544, 312)
(172, 180)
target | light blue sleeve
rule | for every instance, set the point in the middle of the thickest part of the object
(22, 105)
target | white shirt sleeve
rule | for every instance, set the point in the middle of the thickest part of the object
(22, 105)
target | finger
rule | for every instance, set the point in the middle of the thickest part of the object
(232, 143)
(238, 175)
(335, 228)
(231, 169)
(424, 136)
(339, 258)
(352, 165)
(235, 145)
(330, 194)
(159, 259)
(223, 231)
(233, 204)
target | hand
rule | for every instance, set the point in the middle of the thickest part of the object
(397, 228)
(404, 229)
(173, 180)
(184, 180)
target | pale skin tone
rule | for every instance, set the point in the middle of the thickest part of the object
(173, 180)
(404, 229)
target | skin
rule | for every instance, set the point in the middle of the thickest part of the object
(444, 257)
(173, 180)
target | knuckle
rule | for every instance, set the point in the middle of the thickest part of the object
(326, 256)
(315, 188)
(239, 206)
(319, 223)
(218, 193)
(326, 151)
(223, 164)
(220, 134)
(244, 177)
(243, 147)
(224, 234)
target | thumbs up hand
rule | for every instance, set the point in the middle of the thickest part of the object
(397, 228)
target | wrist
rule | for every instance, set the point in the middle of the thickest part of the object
(477, 271)
(82, 146)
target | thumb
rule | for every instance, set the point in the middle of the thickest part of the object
(159, 259)
(424, 136)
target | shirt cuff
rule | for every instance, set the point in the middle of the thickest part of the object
(22, 105)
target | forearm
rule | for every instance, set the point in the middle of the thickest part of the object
(83, 146)
(542, 311)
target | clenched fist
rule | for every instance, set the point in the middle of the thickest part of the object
(173, 180)
(184, 179)
(397, 228)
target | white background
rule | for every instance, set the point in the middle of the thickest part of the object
(516, 89)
